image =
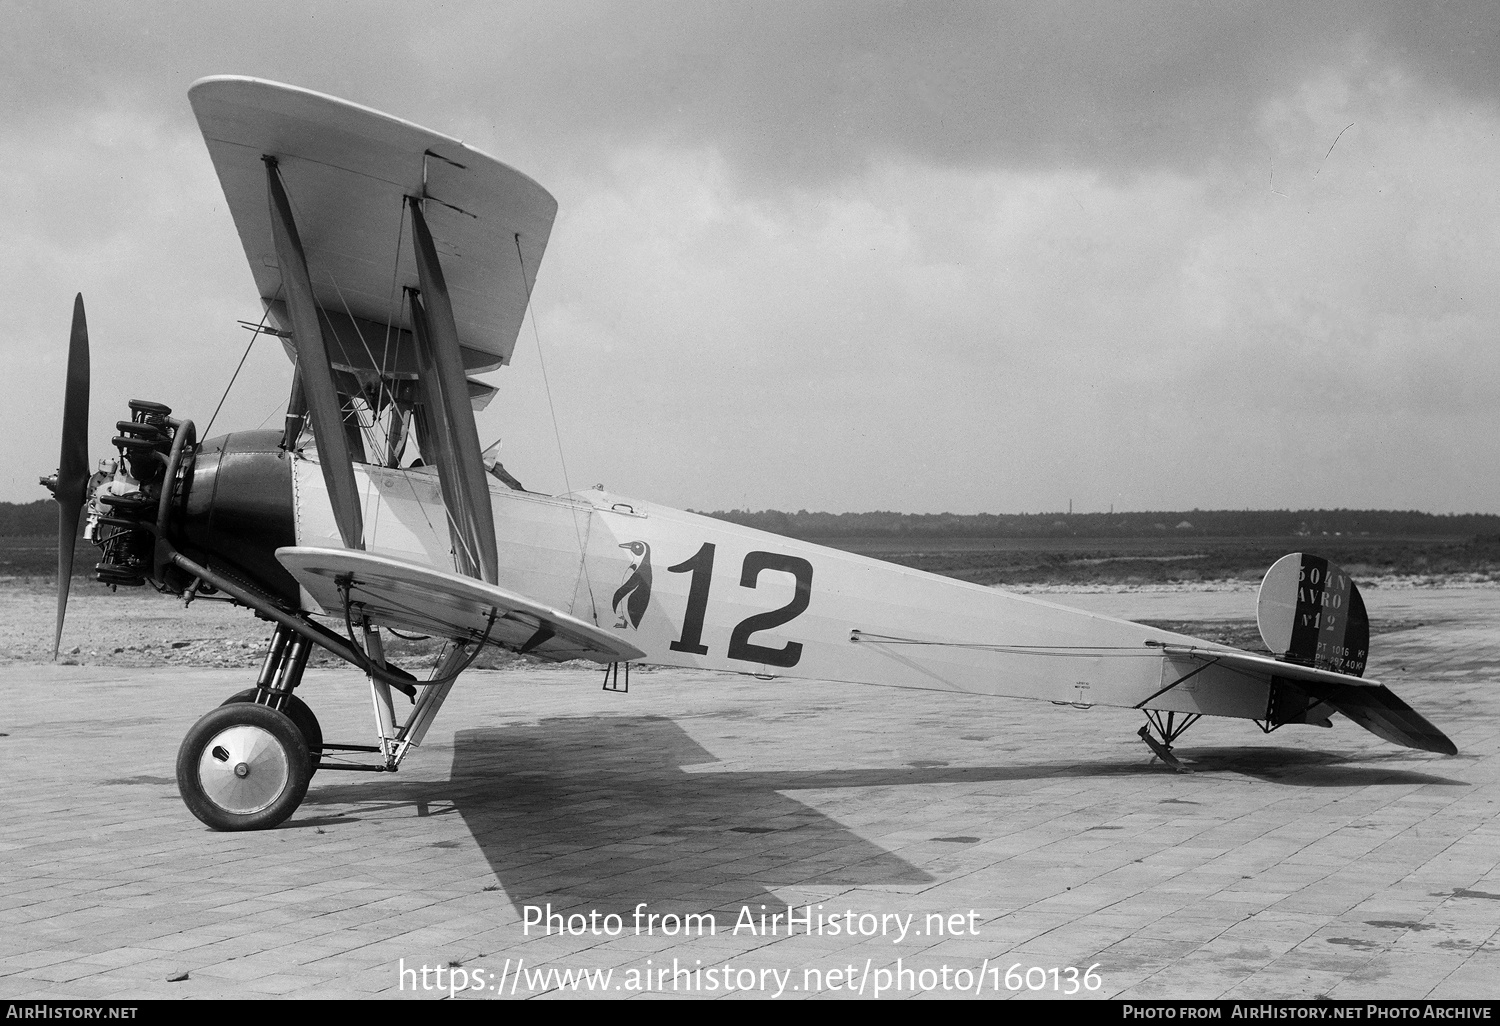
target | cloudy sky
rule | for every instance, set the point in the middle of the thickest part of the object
(841, 256)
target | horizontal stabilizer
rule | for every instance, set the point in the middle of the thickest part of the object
(1260, 664)
(1378, 710)
(410, 596)
(1373, 706)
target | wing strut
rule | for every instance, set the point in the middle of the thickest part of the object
(465, 485)
(432, 429)
(296, 412)
(313, 367)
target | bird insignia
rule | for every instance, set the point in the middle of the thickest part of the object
(634, 593)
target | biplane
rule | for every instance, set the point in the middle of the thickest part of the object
(394, 263)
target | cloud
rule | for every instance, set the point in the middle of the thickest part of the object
(996, 338)
(809, 93)
(801, 93)
(846, 256)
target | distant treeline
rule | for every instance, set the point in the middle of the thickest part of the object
(1188, 523)
(40, 518)
(28, 518)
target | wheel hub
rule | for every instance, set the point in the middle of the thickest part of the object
(243, 770)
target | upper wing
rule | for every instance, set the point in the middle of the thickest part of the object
(410, 596)
(396, 259)
(347, 169)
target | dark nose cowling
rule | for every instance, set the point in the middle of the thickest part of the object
(239, 510)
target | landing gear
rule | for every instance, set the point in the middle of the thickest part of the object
(247, 764)
(243, 767)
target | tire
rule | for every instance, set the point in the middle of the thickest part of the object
(298, 712)
(243, 767)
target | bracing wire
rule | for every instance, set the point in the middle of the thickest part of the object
(392, 311)
(278, 407)
(542, 362)
(259, 328)
(886, 639)
(407, 478)
(369, 432)
(556, 432)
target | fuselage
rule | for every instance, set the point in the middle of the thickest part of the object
(713, 595)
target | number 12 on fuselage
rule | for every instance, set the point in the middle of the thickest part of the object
(701, 568)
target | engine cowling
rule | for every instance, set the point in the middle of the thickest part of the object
(239, 511)
(226, 503)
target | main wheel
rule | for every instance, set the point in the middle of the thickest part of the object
(298, 712)
(243, 767)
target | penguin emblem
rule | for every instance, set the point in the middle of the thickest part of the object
(634, 592)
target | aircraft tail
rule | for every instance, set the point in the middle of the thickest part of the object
(1310, 612)
(1311, 615)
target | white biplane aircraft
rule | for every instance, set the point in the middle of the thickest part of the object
(393, 263)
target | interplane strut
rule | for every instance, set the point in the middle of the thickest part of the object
(313, 365)
(460, 463)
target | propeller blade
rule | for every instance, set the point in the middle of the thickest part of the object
(72, 462)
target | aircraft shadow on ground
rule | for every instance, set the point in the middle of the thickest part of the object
(601, 812)
(1312, 768)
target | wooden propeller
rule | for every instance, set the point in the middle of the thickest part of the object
(70, 485)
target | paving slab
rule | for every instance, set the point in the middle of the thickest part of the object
(1299, 864)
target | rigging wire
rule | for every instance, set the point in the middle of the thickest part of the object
(371, 434)
(276, 408)
(542, 362)
(253, 336)
(556, 432)
(406, 478)
(455, 529)
(392, 311)
(886, 639)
